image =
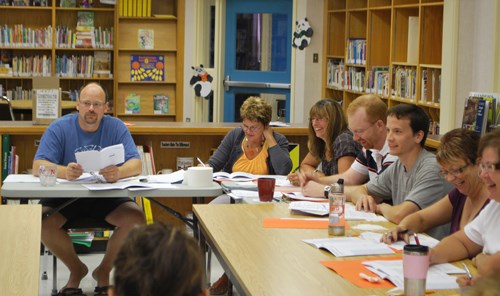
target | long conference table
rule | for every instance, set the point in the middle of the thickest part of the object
(273, 261)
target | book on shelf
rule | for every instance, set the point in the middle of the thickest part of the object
(147, 67)
(102, 64)
(68, 3)
(85, 36)
(5, 155)
(160, 104)
(146, 38)
(20, 2)
(132, 103)
(476, 114)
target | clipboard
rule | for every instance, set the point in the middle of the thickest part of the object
(46, 100)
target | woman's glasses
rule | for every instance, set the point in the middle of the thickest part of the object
(454, 173)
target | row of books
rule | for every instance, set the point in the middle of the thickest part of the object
(96, 38)
(356, 51)
(27, 66)
(21, 36)
(139, 8)
(405, 82)
(84, 66)
(17, 93)
(481, 112)
(24, 3)
(132, 104)
(10, 159)
(377, 81)
(430, 86)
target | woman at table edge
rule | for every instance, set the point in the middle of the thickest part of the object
(457, 156)
(480, 239)
(330, 143)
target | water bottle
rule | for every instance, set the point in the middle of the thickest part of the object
(336, 199)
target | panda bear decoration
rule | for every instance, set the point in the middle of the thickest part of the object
(201, 82)
(302, 35)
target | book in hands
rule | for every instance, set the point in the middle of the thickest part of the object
(93, 161)
(236, 176)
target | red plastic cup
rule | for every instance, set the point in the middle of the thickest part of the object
(266, 189)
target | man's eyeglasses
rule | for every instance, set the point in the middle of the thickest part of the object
(360, 132)
(96, 105)
(489, 167)
(252, 128)
(454, 173)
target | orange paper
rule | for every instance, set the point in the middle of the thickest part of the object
(297, 223)
(350, 269)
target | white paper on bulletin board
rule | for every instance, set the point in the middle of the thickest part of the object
(47, 103)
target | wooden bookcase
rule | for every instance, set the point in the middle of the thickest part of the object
(403, 51)
(166, 21)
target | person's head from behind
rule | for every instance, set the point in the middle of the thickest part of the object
(91, 104)
(158, 260)
(366, 117)
(326, 122)
(256, 115)
(489, 162)
(407, 127)
(456, 155)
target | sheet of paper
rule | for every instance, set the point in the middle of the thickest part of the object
(399, 245)
(119, 185)
(352, 214)
(297, 195)
(21, 178)
(304, 223)
(437, 276)
(175, 177)
(350, 246)
(93, 161)
(314, 208)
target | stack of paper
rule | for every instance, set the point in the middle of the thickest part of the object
(399, 245)
(437, 276)
(350, 246)
(315, 208)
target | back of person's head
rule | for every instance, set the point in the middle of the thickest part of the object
(374, 107)
(158, 260)
(458, 144)
(419, 121)
(256, 109)
(490, 140)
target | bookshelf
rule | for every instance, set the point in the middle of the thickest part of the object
(52, 29)
(400, 59)
(56, 26)
(163, 25)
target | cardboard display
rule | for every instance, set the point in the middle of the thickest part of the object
(46, 100)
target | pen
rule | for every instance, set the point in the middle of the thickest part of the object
(467, 271)
(201, 162)
(416, 238)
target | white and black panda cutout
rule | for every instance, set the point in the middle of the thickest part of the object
(201, 82)
(302, 35)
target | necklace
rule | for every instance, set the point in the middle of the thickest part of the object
(252, 151)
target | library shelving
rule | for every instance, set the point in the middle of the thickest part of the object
(54, 40)
(392, 48)
(151, 38)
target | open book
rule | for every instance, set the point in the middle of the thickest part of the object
(93, 161)
(350, 246)
(236, 176)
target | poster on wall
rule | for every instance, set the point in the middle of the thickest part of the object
(147, 67)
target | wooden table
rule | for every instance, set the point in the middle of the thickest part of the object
(20, 232)
(272, 261)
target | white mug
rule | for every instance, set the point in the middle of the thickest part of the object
(198, 176)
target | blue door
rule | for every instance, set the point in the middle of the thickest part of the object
(258, 55)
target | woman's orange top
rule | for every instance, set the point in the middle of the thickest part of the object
(256, 166)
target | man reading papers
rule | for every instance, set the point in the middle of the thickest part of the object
(88, 130)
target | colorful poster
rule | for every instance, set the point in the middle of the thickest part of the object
(147, 67)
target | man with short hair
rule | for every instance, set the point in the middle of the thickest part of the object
(412, 182)
(88, 130)
(366, 117)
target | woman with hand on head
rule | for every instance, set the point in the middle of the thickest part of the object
(330, 142)
(457, 156)
(480, 239)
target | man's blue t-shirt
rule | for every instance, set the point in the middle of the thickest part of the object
(64, 137)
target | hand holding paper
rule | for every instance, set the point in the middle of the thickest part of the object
(93, 161)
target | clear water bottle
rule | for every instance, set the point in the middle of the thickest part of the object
(336, 199)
